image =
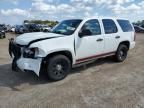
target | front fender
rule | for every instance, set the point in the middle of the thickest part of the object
(55, 45)
(44, 50)
(44, 53)
(47, 47)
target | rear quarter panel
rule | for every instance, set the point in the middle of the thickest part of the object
(126, 36)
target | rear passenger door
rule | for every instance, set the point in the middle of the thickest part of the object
(111, 35)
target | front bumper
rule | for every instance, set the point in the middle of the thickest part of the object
(27, 64)
(19, 62)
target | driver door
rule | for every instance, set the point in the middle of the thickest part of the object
(90, 42)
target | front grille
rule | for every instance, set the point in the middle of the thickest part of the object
(14, 49)
(17, 51)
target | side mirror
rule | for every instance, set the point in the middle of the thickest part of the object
(84, 32)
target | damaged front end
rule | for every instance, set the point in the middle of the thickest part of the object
(24, 57)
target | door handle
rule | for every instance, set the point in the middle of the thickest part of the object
(117, 37)
(98, 40)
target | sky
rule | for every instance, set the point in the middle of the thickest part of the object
(15, 11)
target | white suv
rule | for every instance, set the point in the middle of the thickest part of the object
(72, 42)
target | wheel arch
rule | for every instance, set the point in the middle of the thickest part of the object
(127, 43)
(63, 52)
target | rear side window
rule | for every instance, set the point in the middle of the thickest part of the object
(109, 26)
(125, 25)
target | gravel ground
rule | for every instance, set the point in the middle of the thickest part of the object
(101, 84)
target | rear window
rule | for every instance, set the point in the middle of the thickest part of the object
(125, 25)
(109, 26)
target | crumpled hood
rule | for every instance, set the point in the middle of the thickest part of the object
(26, 38)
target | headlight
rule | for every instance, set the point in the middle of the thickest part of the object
(30, 52)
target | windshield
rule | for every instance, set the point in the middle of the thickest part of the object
(67, 27)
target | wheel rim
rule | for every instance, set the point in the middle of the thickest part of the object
(122, 53)
(59, 68)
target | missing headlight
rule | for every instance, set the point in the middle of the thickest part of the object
(30, 52)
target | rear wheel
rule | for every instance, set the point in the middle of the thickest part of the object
(58, 67)
(121, 53)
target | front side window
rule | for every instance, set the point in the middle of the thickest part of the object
(109, 26)
(125, 25)
(67, 27)
(91, 27)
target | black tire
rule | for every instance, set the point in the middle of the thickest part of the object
(58, 67)
(121, 53)
(4, 36)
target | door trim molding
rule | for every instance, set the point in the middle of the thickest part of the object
(81, 60)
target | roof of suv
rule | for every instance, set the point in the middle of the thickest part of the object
(97, 17)
(104, 18)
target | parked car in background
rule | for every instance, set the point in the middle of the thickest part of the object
(138, 29)
(142, 25)
(38, 28)
(46, 28)
(3, 27)
(21, 29)
(8, 28)
(2, 33)
(33, 27)
(12, 29)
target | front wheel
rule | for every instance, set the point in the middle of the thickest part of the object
(58, 67)
(121, 53)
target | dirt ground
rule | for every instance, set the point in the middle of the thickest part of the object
(102, 84)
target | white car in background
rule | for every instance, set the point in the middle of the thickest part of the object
(72, 42)
(46, 28)
(12, 29)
